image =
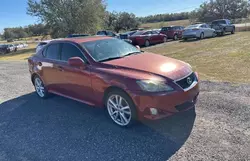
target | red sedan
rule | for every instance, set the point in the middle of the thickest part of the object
(146, 38)
(110, 73)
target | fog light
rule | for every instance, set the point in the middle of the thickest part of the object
(153, 111)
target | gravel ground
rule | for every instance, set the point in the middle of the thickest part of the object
(62, 129)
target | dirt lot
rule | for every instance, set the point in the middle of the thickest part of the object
(61, 129)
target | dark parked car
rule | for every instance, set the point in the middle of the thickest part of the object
(77, 35)
(173, 32)
(146, 38)
(7, 48)
(126, 35)
(112, 34)
(109, 73)
(223, 26)
(107, 33)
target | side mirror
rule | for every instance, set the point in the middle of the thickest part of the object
(76, 62)
(138, 47)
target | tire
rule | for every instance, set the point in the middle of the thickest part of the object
(175, 37)
(147, 43)
(233, 31)
(223, 33)
(41, 90)
(164, 39)
(201, 36)
(122, 118)
(214, 34)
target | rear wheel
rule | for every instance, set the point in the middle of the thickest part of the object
(202, 36)
(41, 91)
(147, 43)
(121, 108)
(175, 37)
(233, 31)
(223, 32)
(164, 39)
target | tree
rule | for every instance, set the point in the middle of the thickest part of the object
(68, 16)
(121, 21)
(219, 9)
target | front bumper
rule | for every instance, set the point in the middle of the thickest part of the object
(166, 104)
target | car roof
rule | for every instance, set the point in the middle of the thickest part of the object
(83, 39)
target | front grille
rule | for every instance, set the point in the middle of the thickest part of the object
(187, 81)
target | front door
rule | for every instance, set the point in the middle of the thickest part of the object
(76, 82)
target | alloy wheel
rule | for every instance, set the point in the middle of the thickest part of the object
(40, 90)
(119, 110)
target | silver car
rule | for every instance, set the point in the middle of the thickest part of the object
(198, 31)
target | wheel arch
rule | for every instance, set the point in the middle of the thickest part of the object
(112, 88)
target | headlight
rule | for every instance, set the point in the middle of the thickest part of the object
(154, 86)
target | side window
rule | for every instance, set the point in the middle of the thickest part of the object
(52, 52)
(101, 33)
(147, 33)
(203, 26)
(69, 51)
(154, 32)
(110, 33)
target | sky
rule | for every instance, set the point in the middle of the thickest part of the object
(13, 12)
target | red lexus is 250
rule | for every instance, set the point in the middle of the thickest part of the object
(110, 73)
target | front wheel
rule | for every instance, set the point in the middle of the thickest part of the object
(147, 43)
(121, 108)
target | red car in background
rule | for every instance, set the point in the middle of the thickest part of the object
(173, 32)
(146, 38)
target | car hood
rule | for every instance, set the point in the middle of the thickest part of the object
(153, 64)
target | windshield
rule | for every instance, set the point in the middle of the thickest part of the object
(102, 50)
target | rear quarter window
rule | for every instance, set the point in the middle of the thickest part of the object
(52, 52)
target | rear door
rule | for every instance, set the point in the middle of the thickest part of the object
(156, 37)
(75, 82)
(49, 73)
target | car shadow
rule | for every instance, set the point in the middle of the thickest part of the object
(62, 129)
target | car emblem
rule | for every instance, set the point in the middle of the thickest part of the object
(189, 81)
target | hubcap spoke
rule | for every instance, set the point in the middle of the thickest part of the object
(113, 104)
(123, 118)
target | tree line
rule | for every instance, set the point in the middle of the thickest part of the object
(89, 16)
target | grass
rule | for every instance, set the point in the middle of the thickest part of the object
(222, 59)
(166, 23)
(21, 54)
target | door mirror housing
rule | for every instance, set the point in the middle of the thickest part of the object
(138, 47)
(76, 62)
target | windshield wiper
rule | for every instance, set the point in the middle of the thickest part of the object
(112, 58)
(133, 53)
